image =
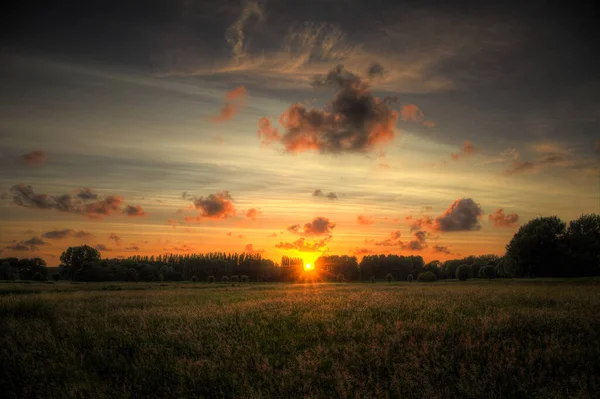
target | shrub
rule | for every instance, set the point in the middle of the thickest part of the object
(194, 279)
(487, 272)
(131, 275)
(462, 272)
(410, 278)
(234, 279)
(56, 276)
(372, 279)
(225, 279)
(427, 277)
(245, 279)
(389, 277)
(38, 277)
(211, 279)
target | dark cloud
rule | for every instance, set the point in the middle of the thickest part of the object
(376, 71)
(214, 206)
(60, 234)
(35, 241)
(133, 211)
(320, 193)
(420, 223)
(19, 246)
(84, 202)
(34, 158)
(302, 246)
(392, 241)
(354, 121)
(133, 248)
(466, 151)
(115, 238)
(364, 220)
(462, 215)
(500, 219)
(441, 249)
(27, 245)
(362, 251)
(102, 247)
(419, 242)
(319, 226)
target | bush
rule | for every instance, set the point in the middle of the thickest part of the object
(194, 279)
(372, 279)
(245, 279)
(131, 275)
(234, 279)
(225, 279)
(462, 272)
(340, 278)
(56, 276)
(211, 279)
(410, 278)
(38, 277)
(487, 272)
(427, 277)
(389, 277)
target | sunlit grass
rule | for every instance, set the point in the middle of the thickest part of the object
(315, 340)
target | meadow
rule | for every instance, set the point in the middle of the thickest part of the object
(474, 339)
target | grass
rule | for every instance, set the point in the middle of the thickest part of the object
(447, 339)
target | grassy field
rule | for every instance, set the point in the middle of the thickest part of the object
(481, 339)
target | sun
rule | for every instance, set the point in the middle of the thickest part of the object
(308, 267)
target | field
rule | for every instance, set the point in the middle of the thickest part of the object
(472, 339)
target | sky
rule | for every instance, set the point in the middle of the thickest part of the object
(294, 128)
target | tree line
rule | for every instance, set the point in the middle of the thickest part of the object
(544, 247)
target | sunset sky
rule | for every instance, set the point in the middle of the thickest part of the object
(294, 128)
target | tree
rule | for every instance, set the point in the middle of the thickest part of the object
(582, 239)
(487, 272)
(7, 272)
(463, 272)
(410, 278)
(538, 250)
(427, 277)
(389, 277)
(75, 257)
(27, 268)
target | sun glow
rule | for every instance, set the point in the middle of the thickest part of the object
(308, 267)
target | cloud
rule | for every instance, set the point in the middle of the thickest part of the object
(27, 245)
(133, 211)
(392, 241)
(364, 220)
(518, 167)
(236, 35)
(319, 226)
(353, 122)
(466, 151)
(376, 70)
(115, 238)
(252, 213)
(419, 242)
(500, 219)
(272, 235)
(420, 223)
(362, 251)
(302, 246)
(414, 114)
(183, 248)
(172, 222)
(441, 249)
(250, 250)
(320, 193)
(102, 247)
(462, 215)
(235, 100)
(214, 206)
(60, 234)
(34, 158)
(133, 248)
(84, 202)
(266, 132)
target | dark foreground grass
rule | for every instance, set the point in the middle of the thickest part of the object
(470, 340)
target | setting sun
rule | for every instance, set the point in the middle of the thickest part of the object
(308, 267)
